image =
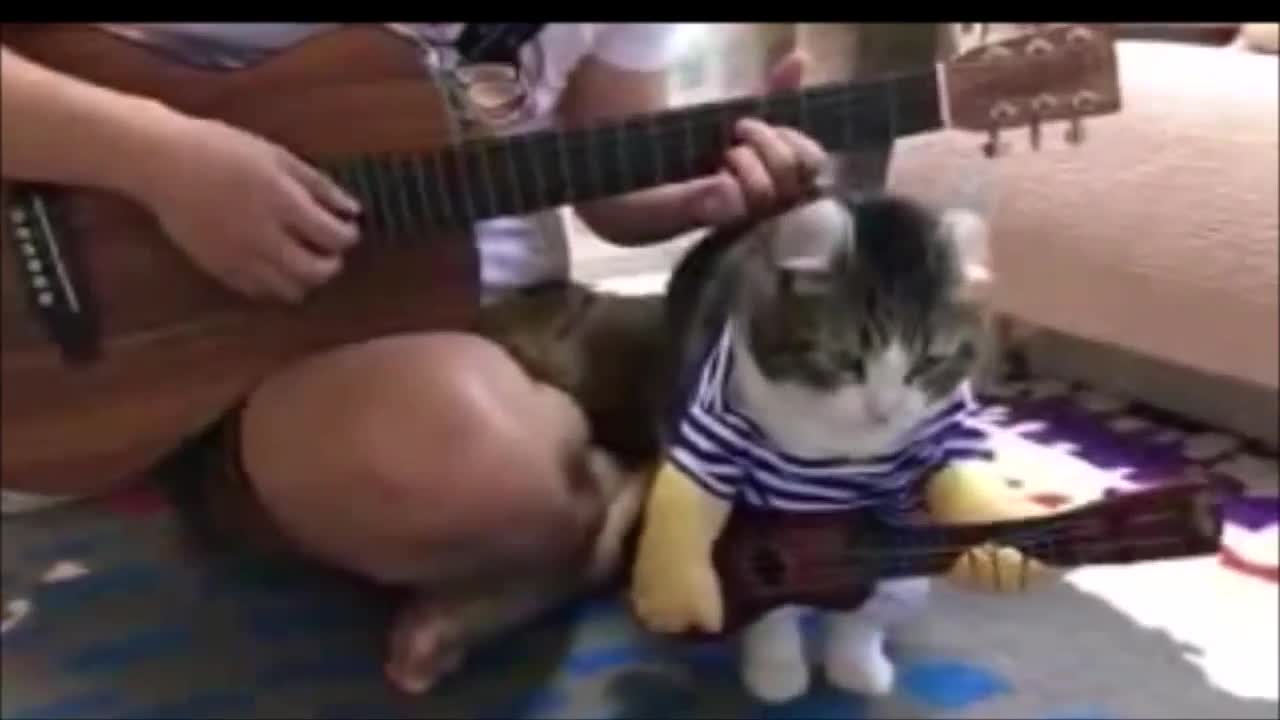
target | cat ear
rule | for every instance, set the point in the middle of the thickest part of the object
(969, 233)
(808, 237)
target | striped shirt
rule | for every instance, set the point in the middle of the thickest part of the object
(730, 456)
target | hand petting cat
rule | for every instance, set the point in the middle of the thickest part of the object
(773, 166)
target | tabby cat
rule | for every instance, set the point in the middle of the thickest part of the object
(841, 334)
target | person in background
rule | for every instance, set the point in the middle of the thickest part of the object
(433, 461)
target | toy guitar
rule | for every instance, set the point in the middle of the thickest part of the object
(116, 348)
(831, 560)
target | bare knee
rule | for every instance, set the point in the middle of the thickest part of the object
(429, 455)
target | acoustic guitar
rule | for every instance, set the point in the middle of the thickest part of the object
(116, 348)
(766, 559)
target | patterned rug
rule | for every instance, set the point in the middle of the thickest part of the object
(107, 617)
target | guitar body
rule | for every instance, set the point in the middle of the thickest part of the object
(766, 559)
(175, 349)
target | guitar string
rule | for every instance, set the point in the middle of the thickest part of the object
(571, 142)
(661, 129)
(477, 152)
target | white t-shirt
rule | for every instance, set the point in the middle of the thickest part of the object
(514, 251)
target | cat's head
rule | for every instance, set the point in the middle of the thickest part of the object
(862, 308)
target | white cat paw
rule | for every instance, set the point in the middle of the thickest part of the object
(776, 680)
(869, 673)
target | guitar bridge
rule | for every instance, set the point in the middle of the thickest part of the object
(48, 276)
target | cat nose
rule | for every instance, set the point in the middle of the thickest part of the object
(879, 410)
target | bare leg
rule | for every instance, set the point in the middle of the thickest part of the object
(435, 462)
(420, 459)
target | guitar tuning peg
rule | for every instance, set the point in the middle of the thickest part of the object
(1075, 132)
(993, 147)
(1034, 129)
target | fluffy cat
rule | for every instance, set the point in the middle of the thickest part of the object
(846, 323)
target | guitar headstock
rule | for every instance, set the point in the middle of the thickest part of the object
(1058, 72)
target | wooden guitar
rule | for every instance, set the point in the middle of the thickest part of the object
(116, 348)
(832, 560)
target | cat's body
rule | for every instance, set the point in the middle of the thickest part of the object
(847, 323)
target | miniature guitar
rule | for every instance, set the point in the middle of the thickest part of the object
(832, 560)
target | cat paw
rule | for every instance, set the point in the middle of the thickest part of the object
(869, 673)
(776, 680)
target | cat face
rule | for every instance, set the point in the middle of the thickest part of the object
(858, 313)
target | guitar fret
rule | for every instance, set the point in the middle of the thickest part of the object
(487, 175)
(395, 165)
(382, 193)
(725, 124)
(478, 188)
(891, 106)
(656, 138)
(429, 211)
(570, 187)
(337, 172)
(368, 198)
(620, 146)
(468, 209)
(802, 103)
(690, 171)
(440, 184)
(539, 178)
(517, 188)
(507, 193)
(848, 124)
(594, 174)
(528, 171)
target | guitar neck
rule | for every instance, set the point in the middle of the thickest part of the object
(492, 177)
(1175, 521)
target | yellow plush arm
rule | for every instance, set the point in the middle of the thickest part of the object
(968, 493)
(674, 586)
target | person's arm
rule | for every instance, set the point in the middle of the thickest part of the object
(286, 230)
(772, 165)
(58, 129)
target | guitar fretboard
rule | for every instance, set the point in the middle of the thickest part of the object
(1163, 523)
(405, 194)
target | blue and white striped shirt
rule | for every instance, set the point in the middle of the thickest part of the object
(731, 456)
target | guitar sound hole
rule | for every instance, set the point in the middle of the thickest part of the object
(767, 566)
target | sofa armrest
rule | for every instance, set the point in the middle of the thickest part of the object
(1159, 234)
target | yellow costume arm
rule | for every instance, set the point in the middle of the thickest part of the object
(968, 493)
(674, 586)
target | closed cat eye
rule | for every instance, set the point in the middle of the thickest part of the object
(856, 366)
(925, 365)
